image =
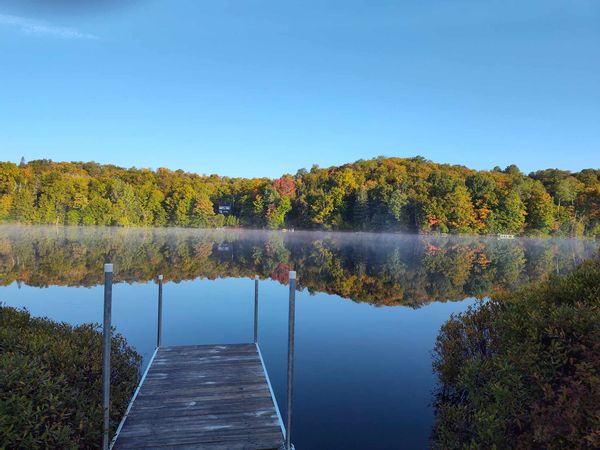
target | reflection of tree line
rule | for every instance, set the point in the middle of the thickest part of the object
(379, 269)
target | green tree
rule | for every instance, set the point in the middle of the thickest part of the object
(23, 206)
(277, 211)
(540, 210)
(398, 200)
(510, 217)
(178, 204)
(126, 206)
(567, 190)
(361, 209)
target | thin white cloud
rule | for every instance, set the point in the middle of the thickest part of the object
(33, 27)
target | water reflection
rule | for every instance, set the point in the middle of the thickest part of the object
(363, 374)
(382, 269)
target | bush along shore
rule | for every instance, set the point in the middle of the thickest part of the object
(523, 371)
(51, 382)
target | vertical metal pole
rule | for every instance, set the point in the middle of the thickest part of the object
(255, 309)
(290, 365)
(159, 321)
(106, 347)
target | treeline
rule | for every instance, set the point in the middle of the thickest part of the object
(393, 194)
(381, 269)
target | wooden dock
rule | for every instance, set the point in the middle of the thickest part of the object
(213, 397)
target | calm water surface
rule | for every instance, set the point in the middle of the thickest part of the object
(368, 307)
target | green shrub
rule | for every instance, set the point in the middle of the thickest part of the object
(523, 371)
(51, 384)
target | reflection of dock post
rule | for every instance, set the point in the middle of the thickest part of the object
(255, 309)
(106, 348)
(290, 366)
(159, 320)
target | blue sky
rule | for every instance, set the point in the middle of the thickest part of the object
(261, 88)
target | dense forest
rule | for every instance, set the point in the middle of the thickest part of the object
(380, 269)
(393, 194)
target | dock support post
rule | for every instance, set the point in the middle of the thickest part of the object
(159, 320)
(290, 365)
(106, 348)
(255, 309)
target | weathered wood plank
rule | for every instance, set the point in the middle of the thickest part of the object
(211, 407)
(203, 397)
(208, 348)
(166, 399)
(264, 441)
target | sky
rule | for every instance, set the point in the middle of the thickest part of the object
(262, 88)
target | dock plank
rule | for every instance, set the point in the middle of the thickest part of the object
(209, 397)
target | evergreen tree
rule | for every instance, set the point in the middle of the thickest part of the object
(361, 209)
(397, 202)
(510, 217)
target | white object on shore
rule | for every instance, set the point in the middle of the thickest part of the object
(505, 236)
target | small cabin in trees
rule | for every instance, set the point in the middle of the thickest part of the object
(225, 208)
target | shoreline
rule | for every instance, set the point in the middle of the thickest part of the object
(300, 231)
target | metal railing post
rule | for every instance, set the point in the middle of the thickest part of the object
(255, 309)
(290, 365)
(159, 320)
(106, 348)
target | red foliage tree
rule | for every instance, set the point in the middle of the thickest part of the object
(285, 186)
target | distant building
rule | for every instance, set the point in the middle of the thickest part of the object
(225, 208)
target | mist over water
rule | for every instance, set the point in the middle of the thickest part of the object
(363, 371)
(389, 269)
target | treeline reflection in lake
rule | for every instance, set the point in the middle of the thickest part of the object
(382, 269)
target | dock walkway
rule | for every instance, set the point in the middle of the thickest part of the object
(211, 397)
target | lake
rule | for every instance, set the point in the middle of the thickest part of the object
(368, 306)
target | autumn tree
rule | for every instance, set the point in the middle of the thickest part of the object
(540, 209)
(401, 194)
(202, 211)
